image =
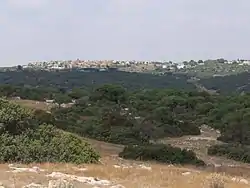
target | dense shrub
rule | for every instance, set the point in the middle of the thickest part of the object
(109, 92)
(235, 152)
(26, 137)
(45, 144)
(114, 134)
(130, 117)
(14, 118)
(161, 153)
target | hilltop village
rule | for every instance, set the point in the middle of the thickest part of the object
(134, 66)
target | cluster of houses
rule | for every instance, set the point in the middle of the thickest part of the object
(239, 62)
(68, 64)
(102, 65)
(63, 105)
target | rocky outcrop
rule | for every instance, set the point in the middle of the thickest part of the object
(60, 184)
(81, 179)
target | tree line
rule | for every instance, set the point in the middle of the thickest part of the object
(66, 80)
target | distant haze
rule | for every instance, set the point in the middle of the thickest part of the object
(176, 30)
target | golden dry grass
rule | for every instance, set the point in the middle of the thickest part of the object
(161, 176)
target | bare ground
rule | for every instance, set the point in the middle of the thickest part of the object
(38, 105)
(200, 144)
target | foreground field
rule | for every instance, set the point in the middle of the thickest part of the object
(117, 173)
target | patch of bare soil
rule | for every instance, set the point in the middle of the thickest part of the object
(200, 144)
(38, 105)
(104, 148)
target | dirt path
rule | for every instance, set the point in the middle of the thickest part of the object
(200, 144)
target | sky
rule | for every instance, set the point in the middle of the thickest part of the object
(176, 30)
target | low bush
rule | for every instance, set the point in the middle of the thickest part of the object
(45, 144)
(235, 152)
(161, 153)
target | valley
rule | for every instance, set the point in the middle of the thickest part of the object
(121, 130)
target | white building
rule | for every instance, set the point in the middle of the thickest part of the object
(180, 66)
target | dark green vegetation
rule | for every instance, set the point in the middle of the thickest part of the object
(161, 153)
(24, 139)
(107, 113)
(229, 84)
(112, 114)
(51, 85)
(33, 93)
(144, 109)
(66, 80)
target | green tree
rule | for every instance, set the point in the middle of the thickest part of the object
(113, 93)
(45, 144)
(77, 93)
(62, 98)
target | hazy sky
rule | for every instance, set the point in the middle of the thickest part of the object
(32, 30)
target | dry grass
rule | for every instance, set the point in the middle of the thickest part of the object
(161, 176)
(33, 104)
(105, 149)
(38, 105)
